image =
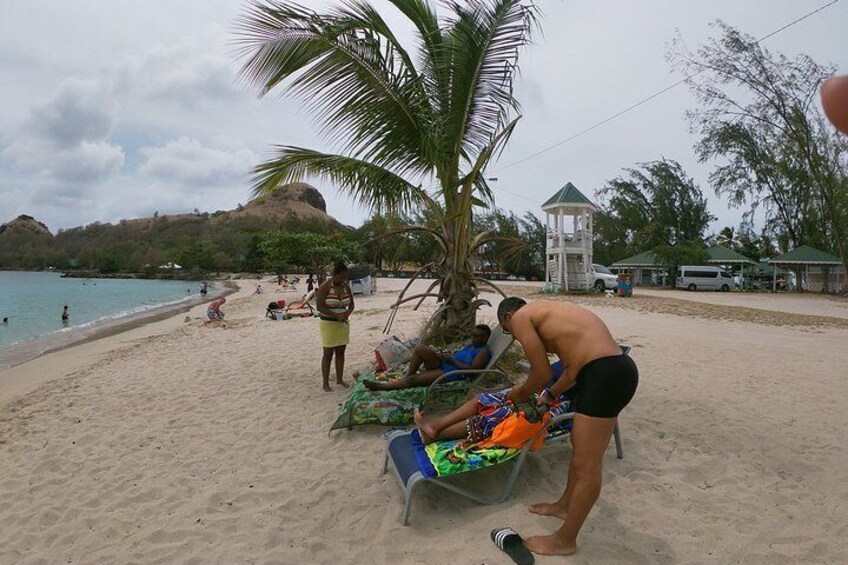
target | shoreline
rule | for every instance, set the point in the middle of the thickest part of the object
(66, 358)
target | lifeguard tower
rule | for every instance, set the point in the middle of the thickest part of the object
(568, 218)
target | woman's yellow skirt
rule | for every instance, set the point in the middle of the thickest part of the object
(334, 333)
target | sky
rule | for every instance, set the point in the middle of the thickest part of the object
(119, 109)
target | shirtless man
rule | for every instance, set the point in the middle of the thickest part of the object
(214, 311)
(606, 381)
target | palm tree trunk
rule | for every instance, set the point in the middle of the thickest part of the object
(458, 314)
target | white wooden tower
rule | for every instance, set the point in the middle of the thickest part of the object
(569, 222)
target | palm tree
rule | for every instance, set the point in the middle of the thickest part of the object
(415, 130)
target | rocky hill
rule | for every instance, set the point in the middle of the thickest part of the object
(224, 239)
(292, 202)
(25, 226)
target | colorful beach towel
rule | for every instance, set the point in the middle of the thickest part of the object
(452, 457)
(391, 407)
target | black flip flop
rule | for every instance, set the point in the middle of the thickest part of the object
(511, 543)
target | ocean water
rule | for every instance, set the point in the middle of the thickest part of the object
(33, 303)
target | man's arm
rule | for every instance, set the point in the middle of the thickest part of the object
(564, 382)
(534, 349)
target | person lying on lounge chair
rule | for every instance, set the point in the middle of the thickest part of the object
(475, 355)
(476, 419)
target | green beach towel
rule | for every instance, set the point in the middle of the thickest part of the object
(392, 407)
(452, 457)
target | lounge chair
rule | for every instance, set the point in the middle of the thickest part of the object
(394, 407)
(499, 342)
(401, 451)
(403, 448)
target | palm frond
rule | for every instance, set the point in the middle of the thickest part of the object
(351, 72)
(485, 42)
(371, 185)
(411, 229)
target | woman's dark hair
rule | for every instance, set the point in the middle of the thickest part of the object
(339, 267)
(507, 305)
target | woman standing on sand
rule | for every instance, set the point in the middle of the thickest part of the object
(334, 300)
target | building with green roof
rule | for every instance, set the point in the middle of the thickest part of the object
(645, 269)
(821, 270)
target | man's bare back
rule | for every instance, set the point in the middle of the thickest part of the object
(574, 334)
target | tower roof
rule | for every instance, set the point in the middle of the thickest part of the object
(568, 195)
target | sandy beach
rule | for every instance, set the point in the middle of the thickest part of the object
(180, 442)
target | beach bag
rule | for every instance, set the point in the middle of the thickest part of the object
(391, 353)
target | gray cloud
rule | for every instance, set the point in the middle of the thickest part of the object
(62, 146)
(144, 114)
(187, 160)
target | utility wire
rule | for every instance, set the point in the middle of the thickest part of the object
(645, 100)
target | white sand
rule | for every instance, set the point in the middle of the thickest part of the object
(185, 443)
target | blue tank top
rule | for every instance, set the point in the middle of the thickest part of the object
(468, 353)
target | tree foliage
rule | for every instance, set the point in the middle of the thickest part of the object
(757, 114)
(195, 242)
(655, 207)
(414, 129)
(306, 252)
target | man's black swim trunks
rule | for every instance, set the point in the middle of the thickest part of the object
(605, 386)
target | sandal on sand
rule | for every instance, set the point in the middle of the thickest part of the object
(511, 543)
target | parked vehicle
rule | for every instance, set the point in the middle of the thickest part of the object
(702, 277)
(603, 279)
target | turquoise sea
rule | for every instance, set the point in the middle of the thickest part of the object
(33, 303)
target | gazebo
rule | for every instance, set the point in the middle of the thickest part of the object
(723, 256)
(568, 250)
(646, 261)
(805, 256)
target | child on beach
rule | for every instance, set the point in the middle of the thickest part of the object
(65, 315)
(214, 311)
(475, 355)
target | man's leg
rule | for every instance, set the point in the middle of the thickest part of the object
(410, 381)
(425, 355)
(560, 507)
(450, 426)
(590, 438)
(340, 360)
(326, 359)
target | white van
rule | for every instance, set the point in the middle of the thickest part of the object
(700, 277)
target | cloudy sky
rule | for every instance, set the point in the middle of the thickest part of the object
(118, 109)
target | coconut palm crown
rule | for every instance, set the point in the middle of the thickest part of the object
(414, 128)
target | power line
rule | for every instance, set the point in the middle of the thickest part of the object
(649, 98)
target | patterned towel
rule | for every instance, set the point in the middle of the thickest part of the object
(391, 407)
(451, 457)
